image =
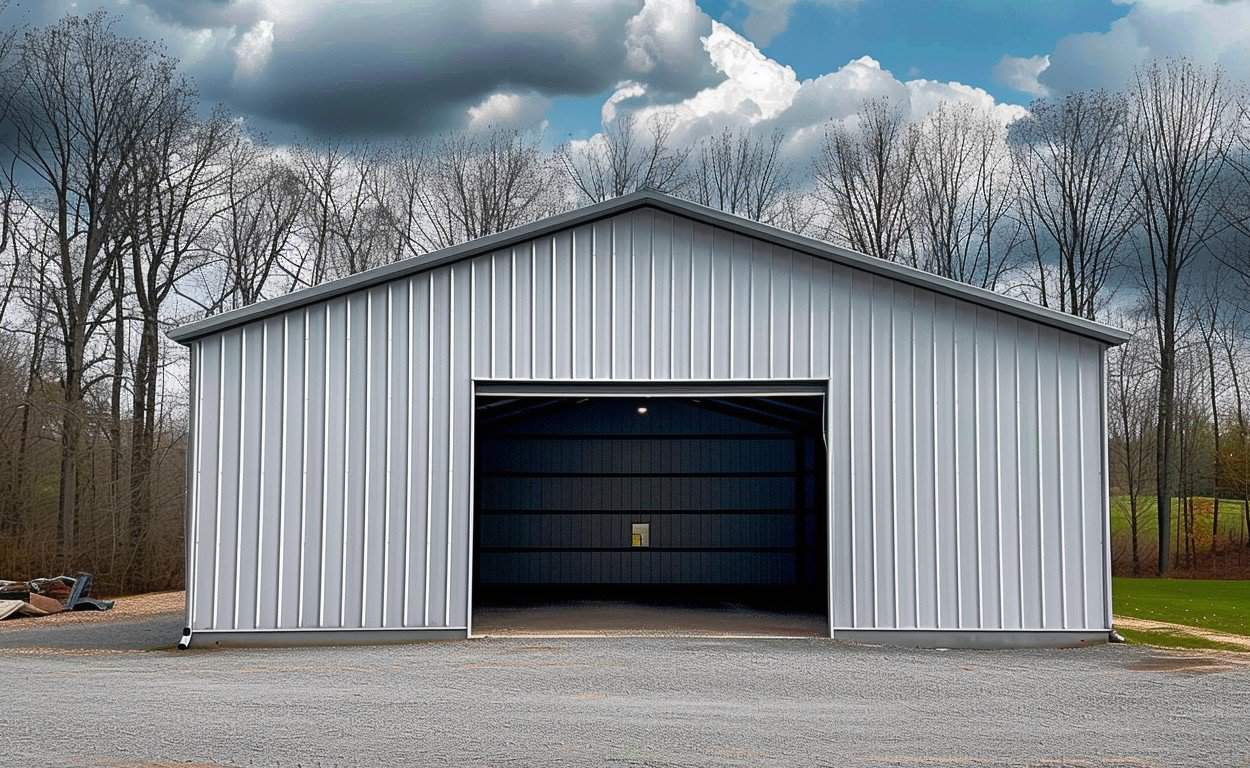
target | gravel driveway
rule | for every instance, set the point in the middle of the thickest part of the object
(621, 701)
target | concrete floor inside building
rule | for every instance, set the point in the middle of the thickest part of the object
(636, 618)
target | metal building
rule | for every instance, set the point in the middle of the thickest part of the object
(933, 456)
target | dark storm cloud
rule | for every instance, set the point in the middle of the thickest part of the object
(382, 68)
(402, 67)
(392, 67)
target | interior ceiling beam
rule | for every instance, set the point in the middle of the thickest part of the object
(794, 405)
(793, 415)
(740, 410)
(486, 404)
(528, 408)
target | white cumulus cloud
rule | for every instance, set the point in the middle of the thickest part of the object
(509, 110)
(760, 93)
(1211, 32)
(1021, 73)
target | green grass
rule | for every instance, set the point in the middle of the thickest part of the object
(1217, 605)
(1176, 640)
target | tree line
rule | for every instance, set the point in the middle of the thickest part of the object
(127, 207)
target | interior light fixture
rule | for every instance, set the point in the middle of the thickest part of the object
(642, 409)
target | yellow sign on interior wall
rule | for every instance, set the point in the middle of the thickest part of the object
(640, 535)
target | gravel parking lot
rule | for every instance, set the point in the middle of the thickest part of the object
(97, 699)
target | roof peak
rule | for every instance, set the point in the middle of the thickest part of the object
(648, 196)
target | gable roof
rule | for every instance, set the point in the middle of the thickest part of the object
(658, 200)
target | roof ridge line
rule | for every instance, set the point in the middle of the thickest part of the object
(648, 197)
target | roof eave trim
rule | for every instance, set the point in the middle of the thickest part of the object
(188, 332)
(911, 275)
(1107, 334)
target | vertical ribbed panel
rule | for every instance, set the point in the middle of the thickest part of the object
(333, 453)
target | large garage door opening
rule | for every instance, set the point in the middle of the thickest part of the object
(650, 514)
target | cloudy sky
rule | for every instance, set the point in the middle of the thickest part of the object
(379, 68)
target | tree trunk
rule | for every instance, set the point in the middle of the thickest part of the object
(33, 377)
(1209, 342)
(1191, 530)
(1163, 451)
(21, 499)
(115, 410)
(1215, 522)
(1132, 522)
(1235, 375)
(142, 427)
(20, 503)
(71, 440)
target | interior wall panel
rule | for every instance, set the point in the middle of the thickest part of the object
(559, 486)
(333, 443)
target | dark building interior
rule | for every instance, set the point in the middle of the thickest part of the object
(611, 506)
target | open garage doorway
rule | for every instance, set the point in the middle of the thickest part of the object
(654, 513)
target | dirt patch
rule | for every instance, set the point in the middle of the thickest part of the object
(1150, 625)
(968, 760)
(1210, 661)
(124, 609)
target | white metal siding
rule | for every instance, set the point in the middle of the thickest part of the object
(333, 443)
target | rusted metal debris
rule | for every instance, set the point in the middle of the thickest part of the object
(46, 596)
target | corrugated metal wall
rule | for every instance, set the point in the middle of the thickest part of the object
(332, 461)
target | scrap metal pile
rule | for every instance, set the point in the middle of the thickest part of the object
(43, 597)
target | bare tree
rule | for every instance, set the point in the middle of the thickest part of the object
(1232, 337)
(740, 172)
(798, 211)
(1191, 449)
(1180, 133)
(1236, 205)
(320, 169)
(963, 198)
(261, 199)
(86, 100)
(33, 260)
(467, 186)
(1130, 385)
(865, 175)
(175, 175)
(1075, 188)
(624, 158)
(1209, 321)
(11, 75)
(343, 227)
(397, 188)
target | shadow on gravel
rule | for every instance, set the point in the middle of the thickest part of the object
(158, 632)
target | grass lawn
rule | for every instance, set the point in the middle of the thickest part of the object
(1219, 605)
